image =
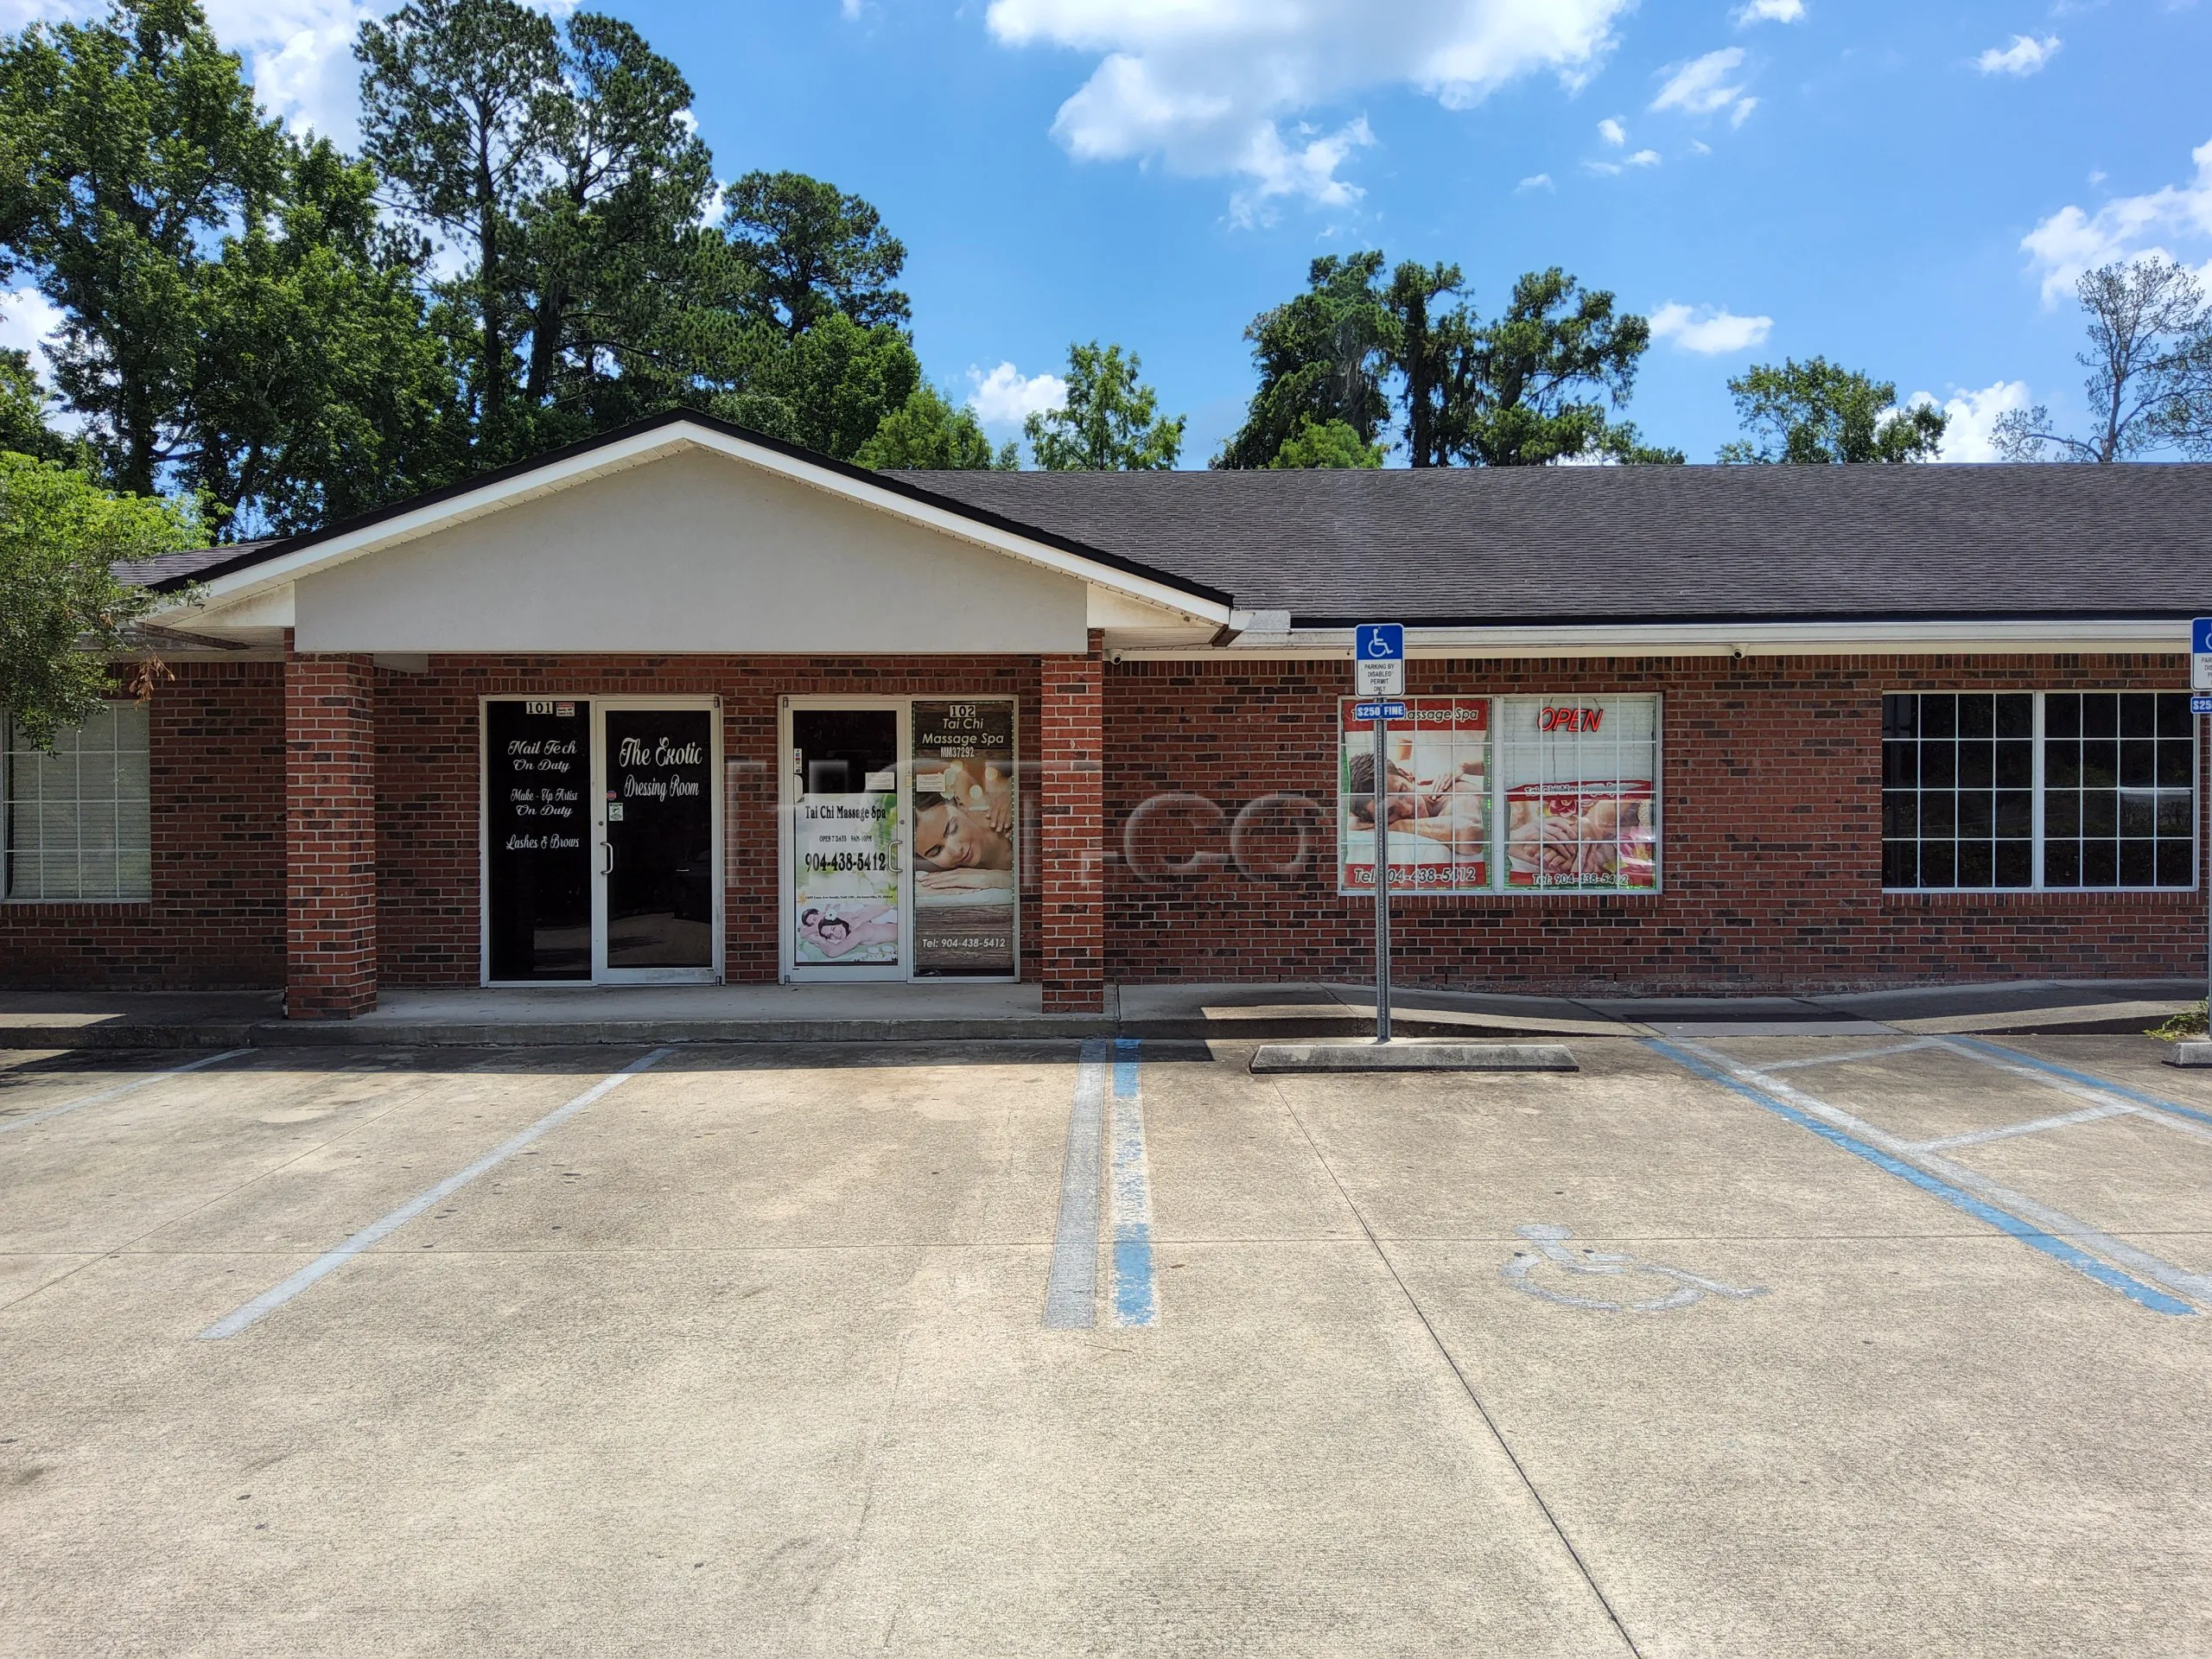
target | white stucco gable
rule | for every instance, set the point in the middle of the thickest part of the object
(686, 538)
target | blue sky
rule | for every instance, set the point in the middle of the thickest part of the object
(1903, 187)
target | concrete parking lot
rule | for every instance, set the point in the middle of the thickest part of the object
(1849, 1343)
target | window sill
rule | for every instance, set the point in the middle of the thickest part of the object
(51, 906)
(2058, 898)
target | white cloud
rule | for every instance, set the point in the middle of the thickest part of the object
(1771, 11)
(28, 320)
(1612, 132)
(1537, 182)
(1642, 158)
(298, 53)
(1708, 331)
(1702, 86)
(1973, 417)
(1742, 112)
(1214, 88)
(2023, 57)
(1003, 397)
(2071, 241)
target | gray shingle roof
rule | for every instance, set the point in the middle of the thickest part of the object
(181, 567)
(1643, 544)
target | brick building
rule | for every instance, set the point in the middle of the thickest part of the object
(684, 704)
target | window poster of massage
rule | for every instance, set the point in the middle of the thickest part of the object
(965, 838)
(1437, 796)
(846, 891)
(1566, 786)
(1580, 779)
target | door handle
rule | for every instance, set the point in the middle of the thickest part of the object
(606, 865)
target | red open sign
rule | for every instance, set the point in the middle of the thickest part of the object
(1570, 720)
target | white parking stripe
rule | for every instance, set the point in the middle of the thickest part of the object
(1854, 1054)
(1072, 1284)
(2064, 1120)
(322, 1265)
(29, 1118)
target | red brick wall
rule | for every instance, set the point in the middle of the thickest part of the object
(429, 786)
(1771, 820)
(330, 826)
(1071, 935)
(1771, 823)
(216, 919)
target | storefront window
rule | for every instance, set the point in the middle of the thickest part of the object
(1580, 776)
(1438, 794)
(965, 833)
(77, 824)
(1962, 774)
(1510, 792)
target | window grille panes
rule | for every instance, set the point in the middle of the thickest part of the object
(77, 823)
(1958, 790)
(2119, 770)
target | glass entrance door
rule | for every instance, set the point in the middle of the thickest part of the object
(845, 910)
(656, 861)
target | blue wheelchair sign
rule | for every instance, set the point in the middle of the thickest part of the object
(1385, 642)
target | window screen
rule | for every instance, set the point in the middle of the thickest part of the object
(1958, 790)
(2119, 805)
(1964, 773)
(77, 820)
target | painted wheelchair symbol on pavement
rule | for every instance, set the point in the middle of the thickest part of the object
(1551, 1250)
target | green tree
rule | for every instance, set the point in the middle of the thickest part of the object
(1539, 380)
(1430, 350)
(612, 258)
(64, 616)
(1333, 445)
(127, 147)
(1623, 445)
(23, 407)
(927, 433)
(318, 391)
(2150, 364)
(457, 98)
(1322, 356)
(235, 320)
(829, 388)
(815, 250)
(1110, 422)
(1818, 412)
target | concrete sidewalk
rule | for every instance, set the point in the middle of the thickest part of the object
(954, 1012)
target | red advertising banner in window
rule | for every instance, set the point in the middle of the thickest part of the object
(1436, 795)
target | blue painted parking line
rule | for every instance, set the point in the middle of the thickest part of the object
(1071, 1285)
(1136, 1292)
(2014, 1057)
(2035, 1237)
(270, 1301)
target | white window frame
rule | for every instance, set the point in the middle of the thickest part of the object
(8, 851)
(1494, 788)
(2036, 854)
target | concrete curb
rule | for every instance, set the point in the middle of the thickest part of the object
(2195, 1052)
(1412, 1057)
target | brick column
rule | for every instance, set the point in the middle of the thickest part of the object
(1072, 948)
(330, 837)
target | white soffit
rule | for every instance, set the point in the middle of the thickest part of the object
(658, 444)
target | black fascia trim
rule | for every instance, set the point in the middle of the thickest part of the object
(884, 480)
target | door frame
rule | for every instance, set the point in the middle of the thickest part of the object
(601, 972)
(595, 850)
(789, 970)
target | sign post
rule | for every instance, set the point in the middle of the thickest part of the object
(2200, 682)
(1378, 670)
